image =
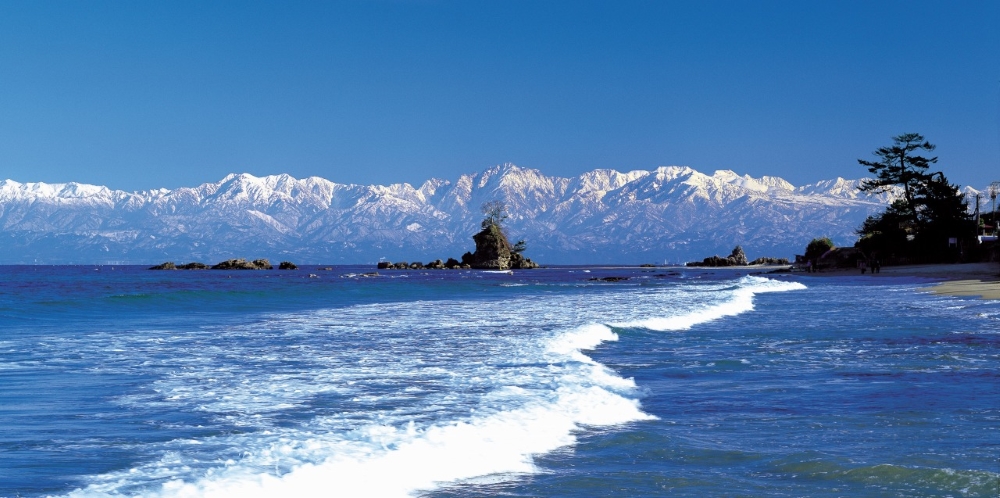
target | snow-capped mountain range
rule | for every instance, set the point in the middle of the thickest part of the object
(671, 214)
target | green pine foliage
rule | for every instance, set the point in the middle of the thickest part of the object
(931, 212)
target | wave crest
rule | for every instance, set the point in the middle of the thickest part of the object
(739, 300)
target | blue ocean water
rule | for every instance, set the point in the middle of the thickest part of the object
(119, 381)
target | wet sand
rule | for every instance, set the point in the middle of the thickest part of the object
(985, 289)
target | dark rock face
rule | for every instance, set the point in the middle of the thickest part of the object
(242, 264)
(287, 265)
(492, 249)
(169, 265)
(711, 261)
(770, 261)
(494, 252)
(519, 262)
(736, 258)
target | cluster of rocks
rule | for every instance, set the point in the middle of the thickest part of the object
(229, 264)
(437, 264)
(242, 264)
(608, 279)
(738, 258)
(493, 252)
(169, 265)
(770, 261)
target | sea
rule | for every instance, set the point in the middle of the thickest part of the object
(117, 381)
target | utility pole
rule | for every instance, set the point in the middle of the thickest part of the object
(977, 215)
(994, 190)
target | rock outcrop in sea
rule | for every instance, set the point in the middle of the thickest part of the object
(169, 265)
(242, 264)
(229, 264)
(738, 258)
(764, 260)
(494, 252)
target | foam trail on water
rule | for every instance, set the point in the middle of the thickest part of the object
(403, 404)
(383, 460)
(740, 301)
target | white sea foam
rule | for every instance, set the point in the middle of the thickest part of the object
(735, 301)
(530, 410)
(391, 404)
(397, 461)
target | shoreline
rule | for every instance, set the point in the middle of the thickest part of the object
(984, 289)
(960, 279)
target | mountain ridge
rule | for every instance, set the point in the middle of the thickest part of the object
(673, 213)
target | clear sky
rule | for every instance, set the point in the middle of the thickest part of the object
(140, 95)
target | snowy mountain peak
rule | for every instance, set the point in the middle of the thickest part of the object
(672, 212)
(72, 192)
(761, 185)
(604, 180)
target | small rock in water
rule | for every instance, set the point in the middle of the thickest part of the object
(242, 264)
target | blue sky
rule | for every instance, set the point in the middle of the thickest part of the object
(140, 95)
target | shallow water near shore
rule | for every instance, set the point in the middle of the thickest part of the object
(118, 381)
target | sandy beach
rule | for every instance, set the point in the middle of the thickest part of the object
(968, 279)
(985, 289)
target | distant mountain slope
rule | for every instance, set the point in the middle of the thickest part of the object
(671, 213)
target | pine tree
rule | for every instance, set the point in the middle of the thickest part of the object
(900, 167)
(932, 209)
